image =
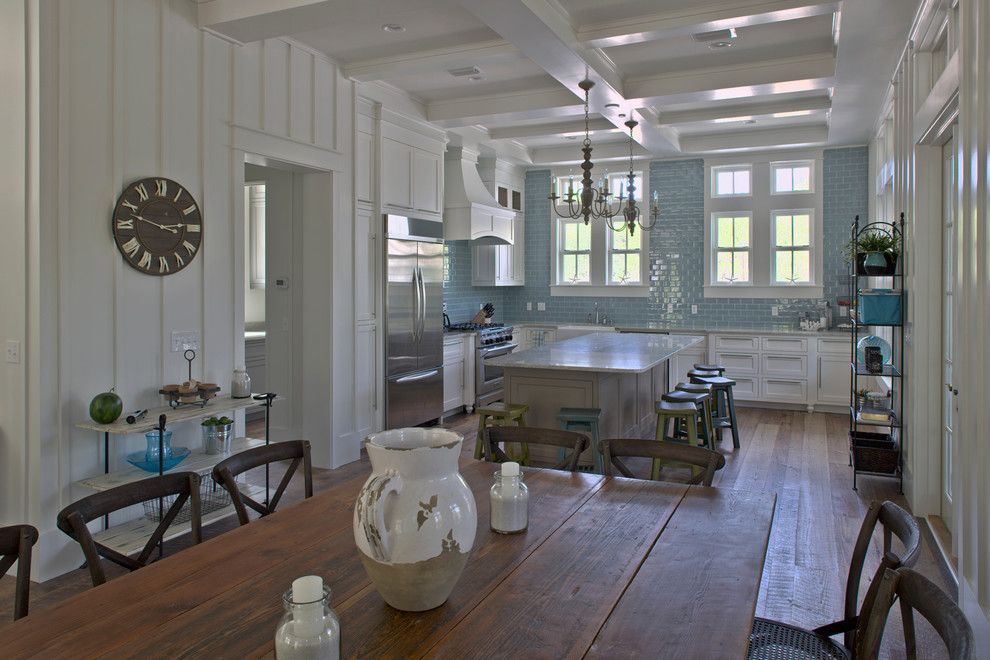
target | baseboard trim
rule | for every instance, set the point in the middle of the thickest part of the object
(942, 554)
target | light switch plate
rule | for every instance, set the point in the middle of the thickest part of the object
(775, 311)
(694, 309)
(13, 351)
(184, 340)
(529, 307)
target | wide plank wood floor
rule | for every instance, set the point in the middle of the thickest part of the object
(800, 456)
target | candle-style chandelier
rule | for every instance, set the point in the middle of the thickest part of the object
(591, 202)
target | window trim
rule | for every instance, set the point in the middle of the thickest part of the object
(734, 167)
(715, 249)
(781, 164)
(774, 248)
(562, 253)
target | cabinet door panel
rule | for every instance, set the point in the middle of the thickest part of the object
(785, 365)
(739, 364)
(366, 249)
(426, 181)
(453, 385)
(737, 343)
(785, 389)
(364, 167)
(396, 174)
(785, 344)
(833, 380)
(365, 379)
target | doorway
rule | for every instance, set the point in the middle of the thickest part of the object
(949, 392)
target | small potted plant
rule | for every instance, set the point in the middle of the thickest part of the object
(217, 433)
(876, 252)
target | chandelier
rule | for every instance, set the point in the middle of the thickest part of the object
(591, 202)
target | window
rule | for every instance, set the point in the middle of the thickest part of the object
(792, 247)
(575, 252)
(591, 260)
(732, 181)
(254, 210)
(792, 177)
(732, 248)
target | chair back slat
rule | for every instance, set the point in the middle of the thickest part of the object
(226, 472)
(709, 461)
(572, 441)
(16, 543)
(73, 519)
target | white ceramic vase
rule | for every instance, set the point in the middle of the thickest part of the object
(415, 517)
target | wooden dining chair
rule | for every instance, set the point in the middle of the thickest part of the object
(572, 441)
(16, 542)
(673, 452)
(778, 640)
(915, 593)
(225, 473)
(173, 489)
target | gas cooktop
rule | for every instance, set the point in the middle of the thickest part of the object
(474, 326)
(489, 334)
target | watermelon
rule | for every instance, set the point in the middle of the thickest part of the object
(105, 408)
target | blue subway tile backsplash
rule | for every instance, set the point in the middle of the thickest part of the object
(676, 257)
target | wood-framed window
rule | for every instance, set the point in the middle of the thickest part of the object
(733, 247)
(792, 244)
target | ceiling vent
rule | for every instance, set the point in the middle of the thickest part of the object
(465, 72)
(714, 35)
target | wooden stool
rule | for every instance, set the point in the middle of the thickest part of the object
(724, 415)
(583, 420)
(501, 414)
(674, 412)
(710, 367)
(702, 401)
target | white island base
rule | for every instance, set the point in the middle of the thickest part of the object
(622, 374)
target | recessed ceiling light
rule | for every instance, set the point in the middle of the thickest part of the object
(718, 45)
(474, 78)
(611, 105)
(622, 114)
(750, 121)
(570, 137)
(393, 27)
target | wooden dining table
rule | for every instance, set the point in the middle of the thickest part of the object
(608, 567)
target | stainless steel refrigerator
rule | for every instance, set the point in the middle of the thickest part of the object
(413, 320)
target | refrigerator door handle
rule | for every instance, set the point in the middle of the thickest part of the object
(416, 303)
(413, 379)
(422, 303)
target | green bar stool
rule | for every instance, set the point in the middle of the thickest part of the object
(725, 415)
(674, 412)
(702, 401)
(583, 420)
(710, 367)
(501, 413)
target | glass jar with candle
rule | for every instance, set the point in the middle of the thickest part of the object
(510, 500)
(309, 629)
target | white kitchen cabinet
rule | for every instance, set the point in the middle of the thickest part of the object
(791, 390)
(427, 173)
(453, 373)
(684, 362)
(500, 265)
(366, 264)
(366, 388)
(833, 379)
(411, 178)
(364, 166)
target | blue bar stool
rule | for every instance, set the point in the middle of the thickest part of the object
(703, 402)
(724, 416)
(584, 420)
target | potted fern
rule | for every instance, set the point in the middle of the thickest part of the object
(876, 252)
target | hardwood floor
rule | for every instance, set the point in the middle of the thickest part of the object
(802, 457)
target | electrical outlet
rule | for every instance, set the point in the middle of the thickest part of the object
(670, 307)
(183, 341)
(529, 307)
(775, 311)
(694, 309)
(541, 307)
(13, 351)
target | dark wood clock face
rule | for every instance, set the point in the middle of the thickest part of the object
(157, 226)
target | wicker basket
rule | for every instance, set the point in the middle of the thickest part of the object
(211, 498)
(874, 452)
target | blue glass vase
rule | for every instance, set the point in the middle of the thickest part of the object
(151, 454)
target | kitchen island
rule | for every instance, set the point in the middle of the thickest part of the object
(622, 374)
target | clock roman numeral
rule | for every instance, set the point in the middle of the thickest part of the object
(132, 207)
(193, 228)
(162, 265)
(142, 192)
(190, 248)
(131, 247)
(145, 261)
(161, 187)
(176, 198)
(125, 224)
(178, 260)
(189, 209)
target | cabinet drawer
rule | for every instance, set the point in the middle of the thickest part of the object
(834, 346)
(746, 389)
(785, 389)
(737, 343)
(785, 344)
(453, 352)
(785, 365)
(739, 364)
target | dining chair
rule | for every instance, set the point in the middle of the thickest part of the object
(779, 641)
(667, 452)
(173, 490)
(226, 472)
(16, 542)
(915, 592)
(573, 441)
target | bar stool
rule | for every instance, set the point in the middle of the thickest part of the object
(718, 409)
(583, 420)
(674, 412)
(501, 413)
(702, 401)
(710, 367)
(725, 415)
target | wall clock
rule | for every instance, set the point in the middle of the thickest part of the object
(157, 226)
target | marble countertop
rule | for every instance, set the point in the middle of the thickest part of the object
(683, 330)
(601, 352)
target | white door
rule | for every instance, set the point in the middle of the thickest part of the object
(949, 398)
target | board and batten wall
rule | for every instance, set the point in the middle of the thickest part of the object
(129, 89)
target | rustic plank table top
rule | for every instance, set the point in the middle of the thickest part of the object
(607, 568)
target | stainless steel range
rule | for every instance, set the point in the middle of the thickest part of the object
(491, 341)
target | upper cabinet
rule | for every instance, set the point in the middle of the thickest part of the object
(502, 265)
(412, 169)
(365, 174)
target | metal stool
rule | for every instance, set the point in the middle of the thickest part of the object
(675, 412)
(583, 420)
(501, 414)
(710, 367)
(724, 415)
(702, 401)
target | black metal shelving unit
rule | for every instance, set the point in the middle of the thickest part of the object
(877, 448)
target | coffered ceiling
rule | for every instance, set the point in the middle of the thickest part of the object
(701, 76)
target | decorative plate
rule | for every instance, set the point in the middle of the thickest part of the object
(137, 459)
(872, 340)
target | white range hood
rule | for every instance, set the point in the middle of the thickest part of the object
(470, 212)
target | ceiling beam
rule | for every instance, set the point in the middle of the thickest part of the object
(748, 110)
(542, 32)
(245, 21)
(426, 60)
(692, 20)
(506, 107)
(610, 152)
(746, 140)
(575, 126)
